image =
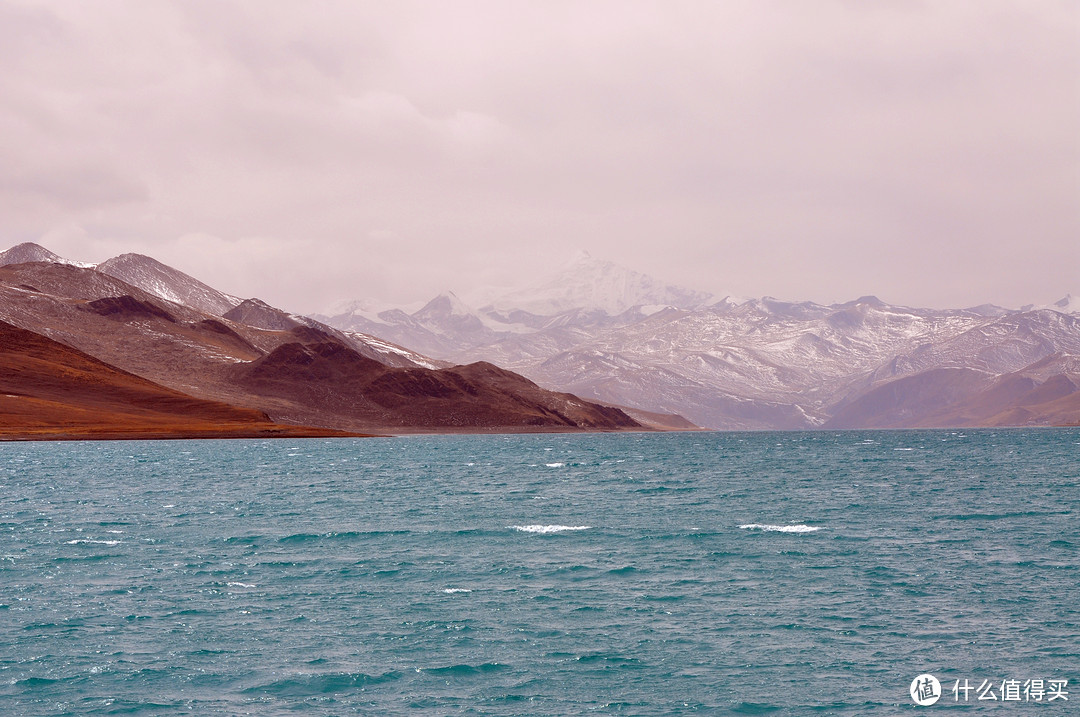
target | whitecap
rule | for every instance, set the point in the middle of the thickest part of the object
(781, 528)
(94, 542)
(240, 585)
(548, 528)
(554, 465)
(451, 591)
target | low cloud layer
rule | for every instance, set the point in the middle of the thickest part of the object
(309, 153)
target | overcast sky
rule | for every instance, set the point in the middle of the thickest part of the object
(310, 152)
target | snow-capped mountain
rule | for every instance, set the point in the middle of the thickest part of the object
(173, 285)
(732, 363)
(766, 366)
(158, 279)
(1068, 304)
(28, 251)
(619, 336)
(449, 315)
(370, 310)
(585, 283)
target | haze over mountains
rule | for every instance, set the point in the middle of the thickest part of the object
(595, 329)
(615, 335)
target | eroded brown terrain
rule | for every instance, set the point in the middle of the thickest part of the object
(273, 373)
(52, 391)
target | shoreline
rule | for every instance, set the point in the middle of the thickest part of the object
(179, 434)
(291, 431)
(287, 431)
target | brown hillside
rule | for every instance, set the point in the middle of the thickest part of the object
(48, 390)
(305, 374)
(328, 377)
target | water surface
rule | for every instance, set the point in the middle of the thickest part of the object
(726, 573)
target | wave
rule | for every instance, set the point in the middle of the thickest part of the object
(546, 529)
(780, 528)
(87, 541)
(307, 685)
(451, 591)
(554, 465)
(339, 535)
(463, 669)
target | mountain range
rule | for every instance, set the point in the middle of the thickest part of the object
(132, 347)
(612, 334)
(636, 350)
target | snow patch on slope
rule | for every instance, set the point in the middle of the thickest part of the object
(168, 283)
(28, 252)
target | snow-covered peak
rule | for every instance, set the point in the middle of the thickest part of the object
(988, 310)
(447, 310)
(730, 302)
(446, 304)
(171, 284)
(587, 283)
(1069, 304)
(29, 251)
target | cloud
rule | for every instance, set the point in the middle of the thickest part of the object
(923, 151)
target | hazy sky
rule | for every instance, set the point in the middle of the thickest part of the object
(309, 152)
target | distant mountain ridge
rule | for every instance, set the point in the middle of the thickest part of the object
(727, 363)
(619, 336)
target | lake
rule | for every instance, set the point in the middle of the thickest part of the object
(639, 574)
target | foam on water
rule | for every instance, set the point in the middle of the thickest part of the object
(454, 591)
(86, 541)
(780, 528)
(543, 529)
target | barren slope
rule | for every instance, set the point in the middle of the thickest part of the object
(48, 390)
(300, 373)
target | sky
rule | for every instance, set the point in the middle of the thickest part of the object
(309, 153)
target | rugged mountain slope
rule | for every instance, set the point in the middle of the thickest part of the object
(328, 375)
(28, 251)
(758, 364)
(1044, 393)
(49, 390)
(253, 312)
(165, 282)
(301, 373)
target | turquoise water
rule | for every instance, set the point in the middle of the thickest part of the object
(764, 573)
